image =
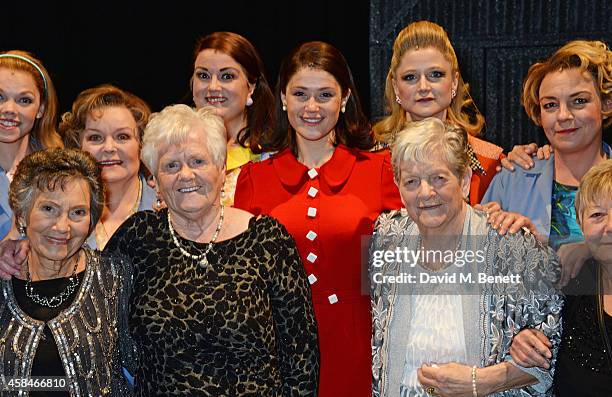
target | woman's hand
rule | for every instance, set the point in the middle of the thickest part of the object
(531, 348)
(12, 254)
(448, 380)
(572, 257)
(522, 156)
(455, 380)
(507, 222)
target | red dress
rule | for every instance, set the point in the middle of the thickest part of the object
(330, 212)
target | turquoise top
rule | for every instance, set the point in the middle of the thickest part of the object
(564, 226)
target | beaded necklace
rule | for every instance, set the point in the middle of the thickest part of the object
(201, 257)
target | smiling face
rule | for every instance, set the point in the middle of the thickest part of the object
(424, 81)
(111, 136)
(220, 81)
(19, 104)
(433, 195)
(187, 178)
(58, 222)
(313, 99)
(571, 111)
(597, 229)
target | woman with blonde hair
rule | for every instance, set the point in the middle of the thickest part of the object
(424, 80)
(28, 115)
(569, 96)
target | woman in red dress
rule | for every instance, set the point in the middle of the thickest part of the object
(327, 190)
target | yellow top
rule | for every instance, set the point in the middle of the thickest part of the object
(237, 156)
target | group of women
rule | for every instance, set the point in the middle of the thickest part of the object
(251, 280)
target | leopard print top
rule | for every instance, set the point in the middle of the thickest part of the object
(243, 326)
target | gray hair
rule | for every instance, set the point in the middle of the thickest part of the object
(419, 141)
(595, 187)
(173, 124)
(47, 170)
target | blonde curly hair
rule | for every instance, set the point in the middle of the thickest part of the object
(588, 56)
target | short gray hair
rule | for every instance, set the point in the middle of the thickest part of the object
(48, 170)
(173, 124)
(420, 140)
(595, 187)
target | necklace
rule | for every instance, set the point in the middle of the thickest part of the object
(101, 234)
(56, 300)
(201, 257)
(425, 264)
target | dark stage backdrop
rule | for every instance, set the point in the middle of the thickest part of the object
(146, 47)
(495, 41)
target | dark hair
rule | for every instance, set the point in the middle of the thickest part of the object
(353, 128)
(46, 170)
(260, 115)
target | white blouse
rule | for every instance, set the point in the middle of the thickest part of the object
(436, 335)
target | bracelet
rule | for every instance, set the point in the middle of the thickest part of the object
(474, 392)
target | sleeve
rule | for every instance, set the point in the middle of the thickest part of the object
(294, 319)
(128, 352)
(533, 302)
(243, 197)
(496, 190)
(390, 196)
(379, 311)
(122, 241)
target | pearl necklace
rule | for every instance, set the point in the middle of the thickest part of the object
(201, 257)
(56, 300)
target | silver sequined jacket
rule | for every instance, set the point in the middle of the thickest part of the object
(87, 333)
(491, 318)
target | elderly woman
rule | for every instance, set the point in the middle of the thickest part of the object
(221, 304)
(583, 367)
(584, 363)
(447, 328)
(59, 316)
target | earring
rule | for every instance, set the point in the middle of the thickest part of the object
(398, 100)
(284, 107)
(343, 108)
(249, 101)
(21, 229)
(453, 93)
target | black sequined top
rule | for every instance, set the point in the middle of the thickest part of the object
(583, 366)
(47, 361)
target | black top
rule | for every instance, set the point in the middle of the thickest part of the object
(243, 325)
(47, 361)
(582, 368)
